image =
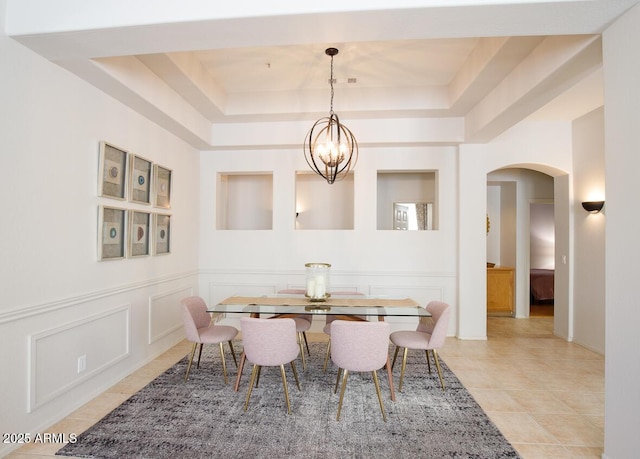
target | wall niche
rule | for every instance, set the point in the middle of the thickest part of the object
(407, 200)
(244, 201)
(320, 206)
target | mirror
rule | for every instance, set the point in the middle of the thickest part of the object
(412, 216)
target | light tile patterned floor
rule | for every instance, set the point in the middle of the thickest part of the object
(545, 395)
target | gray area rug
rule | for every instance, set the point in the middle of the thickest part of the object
(204, 418)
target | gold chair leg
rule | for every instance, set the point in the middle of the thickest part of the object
(335, 389)
(193, 352)
(258, 376)
(233, 353)
(395, 354)
(404, 365)
(295, 374)
(426, 351)
(306, 343)
(224, 364)
(304, 363)
(326, 357)
(286, 391)
(435, 357)
(377, 383)
(344, 386)
(253, 376)
(239, 375)
(390, 376)
(199, 355)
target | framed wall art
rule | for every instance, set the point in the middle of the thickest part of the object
(161, 234)
(111, 233)
(162, 186)
(112, 177)
(141, 172)
(139, 233)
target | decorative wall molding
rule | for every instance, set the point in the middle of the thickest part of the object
(38, 309)
(164, 317)
(103, 339)
(434, 292)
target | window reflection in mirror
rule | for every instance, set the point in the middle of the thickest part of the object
(412, 216)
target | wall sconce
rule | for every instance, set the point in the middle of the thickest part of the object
(593, 206)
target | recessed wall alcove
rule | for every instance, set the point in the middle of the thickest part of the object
(400, 193)
(244, 201)
(320, 206)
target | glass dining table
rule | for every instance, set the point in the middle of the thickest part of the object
(344, 306)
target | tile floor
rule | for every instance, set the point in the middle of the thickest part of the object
(544, 394)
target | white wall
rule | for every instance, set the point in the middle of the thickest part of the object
(622, 144)
(545, 147)
(589, 232)
(542, 236)
(494, 192)
(51, 124)
(421, 264)
(57, 301)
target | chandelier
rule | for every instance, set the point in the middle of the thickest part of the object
(330, 148)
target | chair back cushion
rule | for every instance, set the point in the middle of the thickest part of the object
(269, 342)
(359, 346)
(194, 317)
(440, 313)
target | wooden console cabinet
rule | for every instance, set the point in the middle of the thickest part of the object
(500, 291)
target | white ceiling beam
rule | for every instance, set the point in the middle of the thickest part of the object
(77, 29)
(373, 133)
(129, 81)
(187, 77)
(489, 63)
(556, 65)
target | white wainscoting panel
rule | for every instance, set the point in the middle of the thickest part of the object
(165, 312)
(100, 341)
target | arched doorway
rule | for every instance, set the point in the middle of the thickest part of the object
(519, 201)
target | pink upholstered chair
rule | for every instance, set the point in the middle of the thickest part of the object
(359, 346)
(199, 330)
(429, 335)
(331, 318)
(269, 343)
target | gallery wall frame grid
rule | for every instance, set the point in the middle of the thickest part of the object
(127, 230)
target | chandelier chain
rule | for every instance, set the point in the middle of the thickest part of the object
(331, 83)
